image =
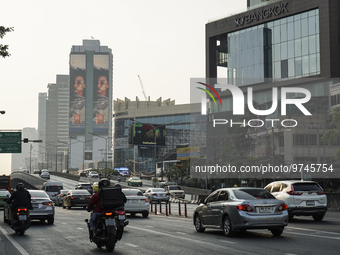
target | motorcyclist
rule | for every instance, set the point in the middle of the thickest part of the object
(19, 198)
(95, 204)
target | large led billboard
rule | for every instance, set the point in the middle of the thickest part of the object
(101, 93)
(77, 93)
(147, 134)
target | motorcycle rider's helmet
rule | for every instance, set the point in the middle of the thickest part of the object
(117, 185)
(20, 186)
(104, 183)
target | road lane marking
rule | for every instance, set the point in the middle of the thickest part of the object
(133, 245)
(317, 236)
(316, 231)
(15, 243)
(188, 239)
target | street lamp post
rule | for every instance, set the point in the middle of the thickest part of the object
(106, 138)
(72, 137)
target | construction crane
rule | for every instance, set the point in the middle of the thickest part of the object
(141, 83)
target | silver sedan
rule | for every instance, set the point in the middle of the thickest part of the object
(234, 209)
(157, 194)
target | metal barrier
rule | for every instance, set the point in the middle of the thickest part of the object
(167, 204)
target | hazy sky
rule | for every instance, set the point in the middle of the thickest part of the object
(162, 41)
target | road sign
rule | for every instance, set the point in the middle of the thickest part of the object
(10, 142)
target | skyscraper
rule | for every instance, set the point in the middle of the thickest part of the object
(90, 111)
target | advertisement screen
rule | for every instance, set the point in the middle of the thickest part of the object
(144, 134)
(77, 93)
(101, 93)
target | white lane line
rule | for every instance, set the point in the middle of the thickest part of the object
(15, 243)
(133, 245)
(313, 230)
(225, 241)
(189, 239)
(317, 236)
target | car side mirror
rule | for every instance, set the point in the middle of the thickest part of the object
(201, 201)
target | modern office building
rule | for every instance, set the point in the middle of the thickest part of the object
(277, 44)
(138, 121)
(56, 127)
(42, 99)
(90, 104)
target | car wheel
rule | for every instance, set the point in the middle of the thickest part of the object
(227, 227)
(50, 220)
(198, 223)
(290, 217)
(69, 207)
(145, 214)
(133, 214)
(276, 231)
(318, 217)
(42, 220)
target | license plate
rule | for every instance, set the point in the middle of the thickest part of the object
(266, 209)
(121, 217)
(134, 201)
(310, 202)
(82, 198)
(35, 205)
(22, 217)
(110, 222)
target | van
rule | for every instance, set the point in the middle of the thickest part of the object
(52, 189)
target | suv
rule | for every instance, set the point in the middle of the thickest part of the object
(175, 191)
(304, 198)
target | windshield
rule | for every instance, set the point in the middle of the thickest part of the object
(306, 187)
(251, 194)
(80, 192)
(53, 188)
(132, 192)
(175, 188)
(35, 194)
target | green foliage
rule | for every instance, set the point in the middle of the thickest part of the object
(4, 48)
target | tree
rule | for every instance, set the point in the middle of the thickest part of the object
(4, 48)
(332, 136)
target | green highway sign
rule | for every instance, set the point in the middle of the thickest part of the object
(10, 142)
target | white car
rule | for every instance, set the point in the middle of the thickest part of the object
(303, 198)
(45, 175)
(136, 202)
(94, 175)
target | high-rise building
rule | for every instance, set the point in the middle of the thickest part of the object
(278, 44)
(90, 106)
(56, 127)
(42, 127)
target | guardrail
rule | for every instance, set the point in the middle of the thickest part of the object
(167, 205)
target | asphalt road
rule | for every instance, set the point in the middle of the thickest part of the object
(160, 234)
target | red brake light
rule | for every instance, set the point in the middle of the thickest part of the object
(246, 208)
(167, 194)
(154, 194)
(146, 200)
(294, 193)
(47, 203)
(321, 192)
(282, 207)
(121, 212)
(108, 213)
(22, 209)
(61, 195)
(72, 197)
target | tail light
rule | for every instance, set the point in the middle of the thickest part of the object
(22, 209)
(294, 193)
(321, 192)
(246, 208)
(47, 203)
(282, 207)
(167, 194)
(108, 213)
(155, 195)
(72, 197)
(146, 200)
(120, 212)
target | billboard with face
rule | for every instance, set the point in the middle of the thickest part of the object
(147, 134)
(77, 93)
(101, 94)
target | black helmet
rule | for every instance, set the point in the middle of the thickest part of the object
(20, 186)
(104, 183)
(117, 185)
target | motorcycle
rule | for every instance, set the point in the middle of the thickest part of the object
(109, 228)
(21, 221)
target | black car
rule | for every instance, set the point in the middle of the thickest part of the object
(76, 198)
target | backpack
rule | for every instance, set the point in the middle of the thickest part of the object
(110, 198)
